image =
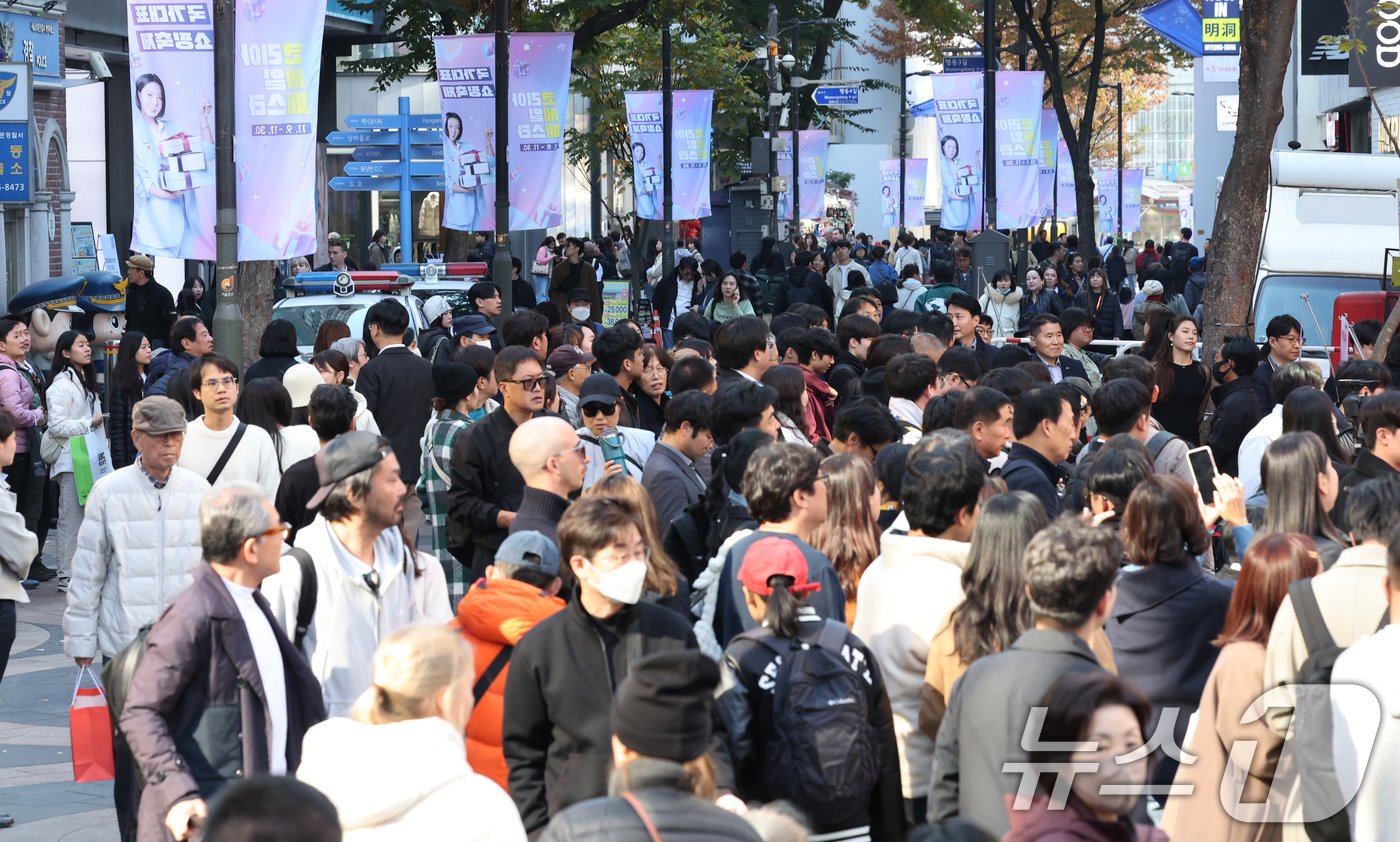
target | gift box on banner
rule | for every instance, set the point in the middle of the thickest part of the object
(90, 732)
(175, 144)
(187, 162)
(475, 171)
(172, 180)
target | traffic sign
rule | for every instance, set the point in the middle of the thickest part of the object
(837, 95)
(394, 168)
(349, 182)
(390, 138)
(425, 121)
(374, 121)
(390, 153)
(963, 64)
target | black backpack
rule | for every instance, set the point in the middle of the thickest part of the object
(687, 539)
(1180, 263)
(824, 755)
(1077, 492)
(1324, 807)
(802, 294)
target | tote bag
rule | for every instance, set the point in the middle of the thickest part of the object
(90, 732)
(92, 460)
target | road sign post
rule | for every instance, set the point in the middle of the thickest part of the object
(836, 95)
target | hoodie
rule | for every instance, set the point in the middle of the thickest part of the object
(909, 291)
(803, 286)
(404, 781)
(1004, 309)
(494, 614)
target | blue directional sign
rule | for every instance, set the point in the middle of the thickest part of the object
(394, 168)
(963, 64)
(425, 121)
(837, 95)
(391, 153)
(363, 138)
(357, 183)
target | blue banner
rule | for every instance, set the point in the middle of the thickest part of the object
(1178, 22)
(24, 37)
(1018, 149)
(16, 180)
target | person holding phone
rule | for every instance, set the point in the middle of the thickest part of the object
(611, 449)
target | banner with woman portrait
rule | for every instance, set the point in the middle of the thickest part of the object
(1049, 143)
(540, 63)
(1018, 149)
(958, 103)
(811, 171)
(1106, 197)
(690, 143)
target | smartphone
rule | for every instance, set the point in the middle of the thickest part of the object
(1203, 468)
(611, 444)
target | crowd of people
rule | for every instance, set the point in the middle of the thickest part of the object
(850, 571)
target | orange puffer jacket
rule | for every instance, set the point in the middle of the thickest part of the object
(496, 613)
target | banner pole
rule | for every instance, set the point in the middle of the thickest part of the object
(228, 318)
(501, 270)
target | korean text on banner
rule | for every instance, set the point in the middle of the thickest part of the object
(785, 171)
(539, 92)
(278, 80)
(172, 71)
(958, 100)
(1067, 203)
(690, 141)
(1132, 200)
(889, 192)
(915, 191)
(1106, 200)
(1018, 157)
(811, 149)
(1049, 142)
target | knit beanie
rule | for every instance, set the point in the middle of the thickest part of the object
(664, 707)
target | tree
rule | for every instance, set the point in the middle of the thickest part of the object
(1267, 27)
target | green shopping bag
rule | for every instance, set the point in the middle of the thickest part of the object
(92, 460)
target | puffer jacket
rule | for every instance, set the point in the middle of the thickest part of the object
(1004, 309)
(71, 408)
(136, 549)
(18, 546)
(909, 291)
(17, 395)
(494, 614)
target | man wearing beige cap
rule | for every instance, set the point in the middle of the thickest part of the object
(150, 308)
(137, 546)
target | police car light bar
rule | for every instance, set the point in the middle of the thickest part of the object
(432, 271)
(347, 283)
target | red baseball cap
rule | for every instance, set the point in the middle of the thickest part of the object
(768, 557)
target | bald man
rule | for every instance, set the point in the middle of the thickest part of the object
(548, 454)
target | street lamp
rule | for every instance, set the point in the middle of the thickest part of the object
(904, 130)
(1118, 87)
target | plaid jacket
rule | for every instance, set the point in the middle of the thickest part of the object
(433, 484)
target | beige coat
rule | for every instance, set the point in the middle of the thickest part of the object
(1230, 695)
(1351, 596)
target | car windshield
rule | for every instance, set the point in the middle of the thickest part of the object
(1279, 294)
(307, 318)
(456, 298)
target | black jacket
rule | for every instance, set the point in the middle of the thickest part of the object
(556, 734)
(986, 719)
(746, 706)
(648, 414)
(273, 367)
(1367, 466)
(1027, 470)
(484, 483)
(802, 285)
(844, 375)
(1261, 382)
(300, 482)
(1236, 412)
(150, 309)
(1105, 310)
(539, 511)
(398, 389)
(119, 427)
(1161, 629)
(660, 787)
(430, 339)
(179, 363)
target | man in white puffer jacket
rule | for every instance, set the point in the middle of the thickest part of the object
(139, 540)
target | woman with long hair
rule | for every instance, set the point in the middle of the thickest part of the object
(1165, 596)
(409, 725)
(265, 402)
(1038, 299)
(1301, 486)
(1099, 299)
(1271, 565)
(128, 383)
(541, 268)
(1002, 303)
(1156, 331)
(791, 406)
(731, 300)
(664, 582)
(850, 535)
(1183, 383)
(336, 370)
(1311, 411)
(326, 335)
(75, 409)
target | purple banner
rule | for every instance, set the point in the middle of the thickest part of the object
(1132, 200)
(1106, 200)
(277, 83)
(958, 100)
(811, 156)
(1049, 142)
(690, 139)
(915, 191)
(785, 170)
(1018, 147)
(172, 71)
(889, 192)
(539, 92)
(1064, 173)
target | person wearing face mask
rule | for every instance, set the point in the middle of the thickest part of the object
(557, 733)
(473, 329)
(1110, 713)
(395, 768)
(580, 310)
(1236, 401)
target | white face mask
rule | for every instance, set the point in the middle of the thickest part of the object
(623, 584)
(485, 343)
(581, 313)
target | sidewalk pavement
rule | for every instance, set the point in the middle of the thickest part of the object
(36, 771)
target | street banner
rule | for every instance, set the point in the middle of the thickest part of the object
(690, 141)
(958, 101)
(1049, 142)
(1068, 205)
(811, 149)
(1378, 31)
(1132, 200)
(277, 80)
(1018, 150)
(785, 170)
(915, 191)
(539, 91)
(1106, 200)
(172, 95)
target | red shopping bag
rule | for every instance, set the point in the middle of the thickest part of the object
(90, 731)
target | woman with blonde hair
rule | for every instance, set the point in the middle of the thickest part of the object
(664, 583)
(850, 536)
(395, 769)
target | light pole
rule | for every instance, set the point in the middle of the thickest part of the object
(668, 230)
(1118, 87)
(501, 269)
(773, 81)
(904, 130)
(793, 115)
(228, 318)
(991, 55)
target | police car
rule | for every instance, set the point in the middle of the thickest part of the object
(450, 280)
(316, 297)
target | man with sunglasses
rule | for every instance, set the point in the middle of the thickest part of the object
(486, 487)
(600, 403)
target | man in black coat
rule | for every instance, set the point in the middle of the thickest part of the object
(486, 489)
(150, 308)
(1045, 428)
(1380, 422)
(557, 732)
(1285, 335)
(1047, 341)
(1069, 568)
(398, 389)
(1237, 406)
(219, 678)
(965, 312)
(853, 337)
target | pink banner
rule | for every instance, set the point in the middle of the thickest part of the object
(811, 156)
(690, 130)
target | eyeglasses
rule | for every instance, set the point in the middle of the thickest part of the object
(593, 409)
(281, 531)
(529, 384)
(826, 478)
(576, 450)
(643, 554)
(220, 383)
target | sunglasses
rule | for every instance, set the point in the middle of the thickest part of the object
(529, 384)
(593, 409)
